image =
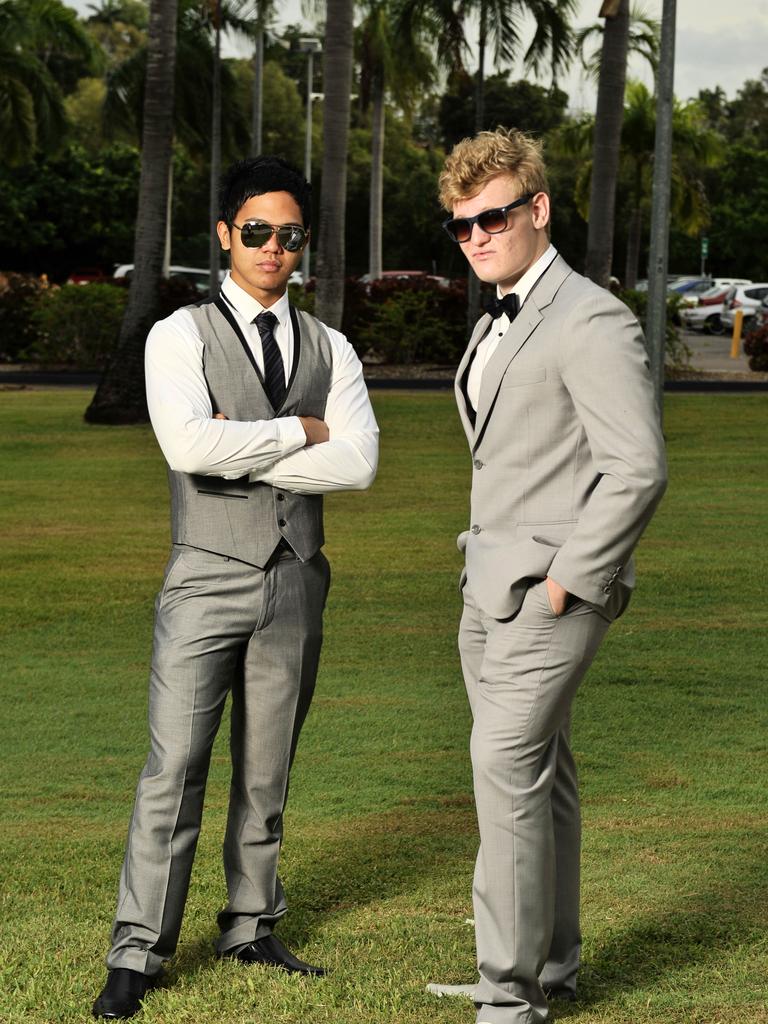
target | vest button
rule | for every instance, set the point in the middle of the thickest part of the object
(281, 522)
(281, 497)
(475, 529)
(478, 463)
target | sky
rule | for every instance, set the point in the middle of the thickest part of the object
(717, 43)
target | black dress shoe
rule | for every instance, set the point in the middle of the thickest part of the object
(565, 994)
(269, 950)
(122, 995)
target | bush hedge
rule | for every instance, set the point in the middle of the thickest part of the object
(418, 320)
(76, 325)
(756, 348)
(19, 294)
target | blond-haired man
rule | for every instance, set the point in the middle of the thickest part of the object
(568, 462)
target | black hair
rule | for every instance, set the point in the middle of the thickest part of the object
(256, 176)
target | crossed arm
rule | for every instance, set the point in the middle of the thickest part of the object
(301, 454)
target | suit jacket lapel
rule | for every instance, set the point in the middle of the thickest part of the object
(520, 330)
(481, 327)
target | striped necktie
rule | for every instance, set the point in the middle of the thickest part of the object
(274, 369)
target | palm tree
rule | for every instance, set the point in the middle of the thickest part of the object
(499, 28)
(337, 79)
(33, 33)
(607, 139)
(696, 147)
(120, 397)
(643, 41)
(403, 65)
(262, 15)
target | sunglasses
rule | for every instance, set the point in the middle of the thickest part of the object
(492, 222)
(255, 233)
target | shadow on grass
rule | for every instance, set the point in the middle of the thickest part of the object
(696, 931)
(359, 863)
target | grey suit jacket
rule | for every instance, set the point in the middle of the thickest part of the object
(568, 457)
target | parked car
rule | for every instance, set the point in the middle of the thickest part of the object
(197, 276)
(705, 316)
(745, 297)
(88, 275)
(406, 275)
(761, 315)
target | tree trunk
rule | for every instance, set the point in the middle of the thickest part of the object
(606, 145)
(473, 281)
(258, 77)
(214, 257)
(168, 223)
(480, 81)
(337, 79)
(375, 264)
(121, 396)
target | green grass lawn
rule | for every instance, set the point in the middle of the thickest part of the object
(671, 732)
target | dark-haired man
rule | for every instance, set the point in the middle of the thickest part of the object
(259, 409)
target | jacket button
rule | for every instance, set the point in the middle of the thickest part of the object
(478, 463)
(475, 529)
(607, 590)
(281, 522)
(281, 497)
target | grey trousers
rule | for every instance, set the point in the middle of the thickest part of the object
(521, 676)
(221, 626)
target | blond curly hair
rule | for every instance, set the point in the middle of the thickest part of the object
(472, 163)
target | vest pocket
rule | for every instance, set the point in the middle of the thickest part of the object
(222, 494)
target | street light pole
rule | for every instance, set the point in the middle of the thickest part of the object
(656, 323)
(310, 47)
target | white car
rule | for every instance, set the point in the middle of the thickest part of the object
(197, 276)
(706, 315)
(692, 289)
(745, 297)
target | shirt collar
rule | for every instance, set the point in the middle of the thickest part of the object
(532, 274)
(248, 307)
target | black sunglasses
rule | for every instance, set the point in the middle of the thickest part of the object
(491, 221)
(255, 233)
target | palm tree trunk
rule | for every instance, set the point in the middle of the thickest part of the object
(480, 81)
(258, 76)
(606, 145)
(337, 79)
(168, 223)
(375, 264)
(121, 396)
(473, 281)
(214, 258)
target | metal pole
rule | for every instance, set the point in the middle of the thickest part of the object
(656, 324)
(308, 151)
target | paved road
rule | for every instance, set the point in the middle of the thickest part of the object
(713, 353)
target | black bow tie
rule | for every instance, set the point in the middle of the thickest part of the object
(509, 304)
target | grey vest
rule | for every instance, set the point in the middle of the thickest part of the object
(237, 518)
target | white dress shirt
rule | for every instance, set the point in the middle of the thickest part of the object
(271, 451)
(501, 325)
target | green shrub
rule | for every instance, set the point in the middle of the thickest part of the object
(756, 347)
(18, 296)
(77, 325)
(418, 321)
(677, 353)
(405, 329)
